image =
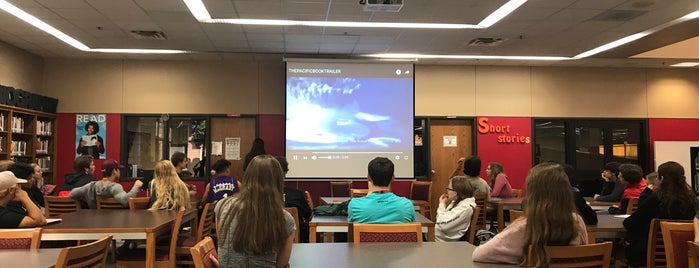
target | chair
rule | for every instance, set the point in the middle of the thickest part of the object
(656, 253)
(201, 252)
(420, 193)
(89, 255)
(516, 192)
(55, 205)
(675, 237)
(340, 188)
(295, 213)
(137, 257)
(514, 214)
(109, 203)
(358, 192)
(693, 253)
(401, 232)
(186, 242)
(309, 199)
(590, 255)
(470, 235)
(20, 238)
(482, 202)
(632, 205)
(138, 203)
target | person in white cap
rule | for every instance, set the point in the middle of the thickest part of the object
(10, 191)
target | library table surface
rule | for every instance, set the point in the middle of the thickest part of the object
(606, 223)
(92, 224)
(339, 224)
(501, 203)
(386, 255)
(39, 258)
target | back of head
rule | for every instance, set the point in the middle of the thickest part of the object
(81, 163)
(261, 198)
(570, 172)
(258, 147)
(613, 167)
(549, 211)
(21, 170)
(472, 166)
(177, 158)
(284, 164)
(673, 192)
(463, 188)
(652, 179)
(170, 191)
(381, 171)
(631, 173)
(221, 165)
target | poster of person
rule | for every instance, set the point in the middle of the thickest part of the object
(90, 135)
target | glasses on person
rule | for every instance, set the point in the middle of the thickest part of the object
(449, 189)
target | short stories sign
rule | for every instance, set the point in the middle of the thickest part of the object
(506, 135)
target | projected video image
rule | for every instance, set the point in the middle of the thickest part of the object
(371, 114)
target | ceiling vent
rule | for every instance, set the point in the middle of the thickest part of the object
(485, 42)
(150, 35)
(382, 5)
(618, 15)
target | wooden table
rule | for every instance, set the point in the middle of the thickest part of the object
(592, 202)
(91, 224)
(35, 258)
(418, 205)
(501, 203)
(339, 224)
(606, 223)
(388, 255)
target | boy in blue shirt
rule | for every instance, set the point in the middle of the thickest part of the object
(380, 205)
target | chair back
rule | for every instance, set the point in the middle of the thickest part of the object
(473, 226)
(309, 199)
(138, 203)
(656, 253)
(358, 192)
(399, 232)
(20, 238)
(207, 221)
(295, 213)
(514, 214)
(201, 252)
(55, 206)
(675, 237)
(590, 255)
(482, 203)
(632, 205)
(173, 239)
(89, 255)
(693, 254)
(340, 188)
(109, 203)
(420, 190)
(516, 192)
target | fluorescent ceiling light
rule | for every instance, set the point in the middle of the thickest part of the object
(488, 57)
(9, 8)
(685, 64)
(137, 51)
(611, 45)
(201, 14)
(501, 12)
(351, 24)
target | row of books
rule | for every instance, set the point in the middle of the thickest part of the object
(42, 146)
(17, 124)
(19, 148)
(42, 127)
(44, 163)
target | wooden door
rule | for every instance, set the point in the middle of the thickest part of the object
(233, 127)
(443, 157)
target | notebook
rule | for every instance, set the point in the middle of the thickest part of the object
(53, 220)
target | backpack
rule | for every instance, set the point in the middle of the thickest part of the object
(483, 236)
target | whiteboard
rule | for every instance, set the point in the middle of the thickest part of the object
(677, 151)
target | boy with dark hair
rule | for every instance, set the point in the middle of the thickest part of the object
(83, 167)
(380, 205)
(631, 176)
(294, 198)
(471, 167)
(107, 187)
(612, 187)
(179, 160)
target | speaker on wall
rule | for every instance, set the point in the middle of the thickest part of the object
(24, 99)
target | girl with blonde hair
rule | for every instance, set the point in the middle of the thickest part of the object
(166, 189)
(254, 229)
(550, 219)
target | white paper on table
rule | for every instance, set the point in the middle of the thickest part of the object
(622, 216)
(216, 147)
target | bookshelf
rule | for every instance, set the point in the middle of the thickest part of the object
(29, 136)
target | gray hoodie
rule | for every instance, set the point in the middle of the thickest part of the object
(95, 189)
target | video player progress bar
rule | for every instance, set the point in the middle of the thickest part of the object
(357, 152)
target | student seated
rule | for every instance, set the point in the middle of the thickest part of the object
(380, 205)
(11, 191)
(24, 171)
(471, 167)
(673, 199)
(455, 210)
(651, 183)
(294, 198)
(612, 187)
(107, 187)
(585, 211)
(548, 194)
(499, 181)
(167, 190)
(83, 167)
(631, 176)
(222, 185)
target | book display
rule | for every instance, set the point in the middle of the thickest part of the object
(28, 136)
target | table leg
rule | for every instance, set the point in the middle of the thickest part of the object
(501, 217)
(430, 234)
(311, 233)
(150, 250)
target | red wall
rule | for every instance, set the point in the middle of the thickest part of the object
(272, 132)
(668, 129)
(515, 157)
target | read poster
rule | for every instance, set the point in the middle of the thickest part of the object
(90, 135)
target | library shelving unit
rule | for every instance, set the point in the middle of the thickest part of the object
(29, 136)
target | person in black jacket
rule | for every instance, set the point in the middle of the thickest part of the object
(294, 198)
(589, 216)
(612, 187)
(83, 167)
(672, 199)
(258, 148)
